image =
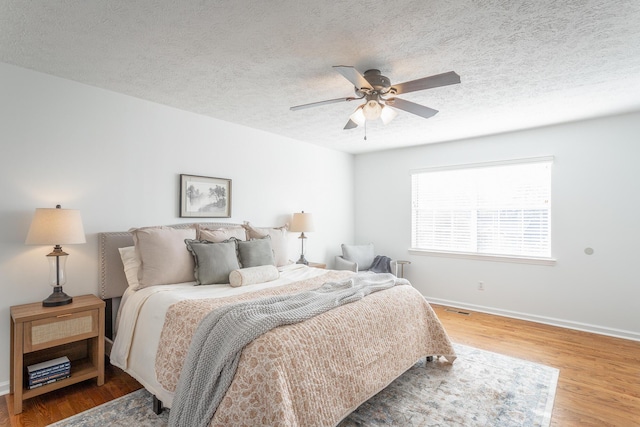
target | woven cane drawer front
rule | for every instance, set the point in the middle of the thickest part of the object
(61, 329)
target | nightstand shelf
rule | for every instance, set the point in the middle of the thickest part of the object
(81, 370)
(39, 334)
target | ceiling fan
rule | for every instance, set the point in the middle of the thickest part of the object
(379, 93)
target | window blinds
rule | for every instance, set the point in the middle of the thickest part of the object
(493, 209)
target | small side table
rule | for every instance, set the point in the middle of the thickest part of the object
(400, 266)
(40, 333)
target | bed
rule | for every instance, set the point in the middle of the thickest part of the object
(314, 372)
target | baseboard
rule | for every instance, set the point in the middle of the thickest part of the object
(585, 327)
(4, 388)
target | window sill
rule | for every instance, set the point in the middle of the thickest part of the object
(485, 257)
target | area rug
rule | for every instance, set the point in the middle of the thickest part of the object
(480, 389)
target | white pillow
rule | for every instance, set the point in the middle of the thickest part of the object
(131, 264)
(278, 241)
(363, 255)
(253, 275)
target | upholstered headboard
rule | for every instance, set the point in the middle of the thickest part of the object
(113, 282)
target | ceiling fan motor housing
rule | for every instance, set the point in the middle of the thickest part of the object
(378, 82)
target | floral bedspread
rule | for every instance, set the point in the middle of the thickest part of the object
(318, 371)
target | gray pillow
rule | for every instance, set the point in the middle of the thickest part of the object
(214, 261)
(363, 255)
(256, 252)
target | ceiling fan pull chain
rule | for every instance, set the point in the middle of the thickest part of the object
(365, 130)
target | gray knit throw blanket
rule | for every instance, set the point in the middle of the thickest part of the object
(219, 339)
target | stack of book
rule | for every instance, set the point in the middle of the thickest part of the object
(48, 372)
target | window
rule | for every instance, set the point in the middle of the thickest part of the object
(501, 209)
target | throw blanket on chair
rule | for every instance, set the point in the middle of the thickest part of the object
(381, 264)
(218, 342)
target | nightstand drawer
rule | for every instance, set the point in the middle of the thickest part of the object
(62, 329)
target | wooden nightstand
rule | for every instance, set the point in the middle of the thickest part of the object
(317, 265)
(40, 333)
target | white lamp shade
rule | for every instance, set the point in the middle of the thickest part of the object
(302, 222)
(55, 226)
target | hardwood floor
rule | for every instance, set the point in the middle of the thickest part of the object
(599, 382)
(57, 405)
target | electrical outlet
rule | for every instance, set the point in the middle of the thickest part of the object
(481, 286)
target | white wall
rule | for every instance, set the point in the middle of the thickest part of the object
(595, 203)
(118, 160)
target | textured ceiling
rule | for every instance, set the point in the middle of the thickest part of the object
(522, 63)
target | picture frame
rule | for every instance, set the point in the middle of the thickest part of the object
(204, 197)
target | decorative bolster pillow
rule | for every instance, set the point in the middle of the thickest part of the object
(252, 275)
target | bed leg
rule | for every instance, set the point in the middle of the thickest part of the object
(157, 405)
(429, 358)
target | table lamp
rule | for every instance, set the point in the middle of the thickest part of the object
(302, 222)
(56, 227)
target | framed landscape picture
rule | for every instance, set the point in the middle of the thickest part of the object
(204, 197)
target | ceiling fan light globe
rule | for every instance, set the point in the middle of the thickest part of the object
(388, 114)
(358, 116)
(372, 110)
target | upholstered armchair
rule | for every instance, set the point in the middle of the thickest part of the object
(358, 258)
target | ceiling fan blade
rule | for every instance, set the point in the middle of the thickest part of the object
(411, 107)
(438, 80)
(353, 76)
(317, 104)
(350, 125)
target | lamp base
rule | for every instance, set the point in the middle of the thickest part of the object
(57, 298)
(302, 260)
